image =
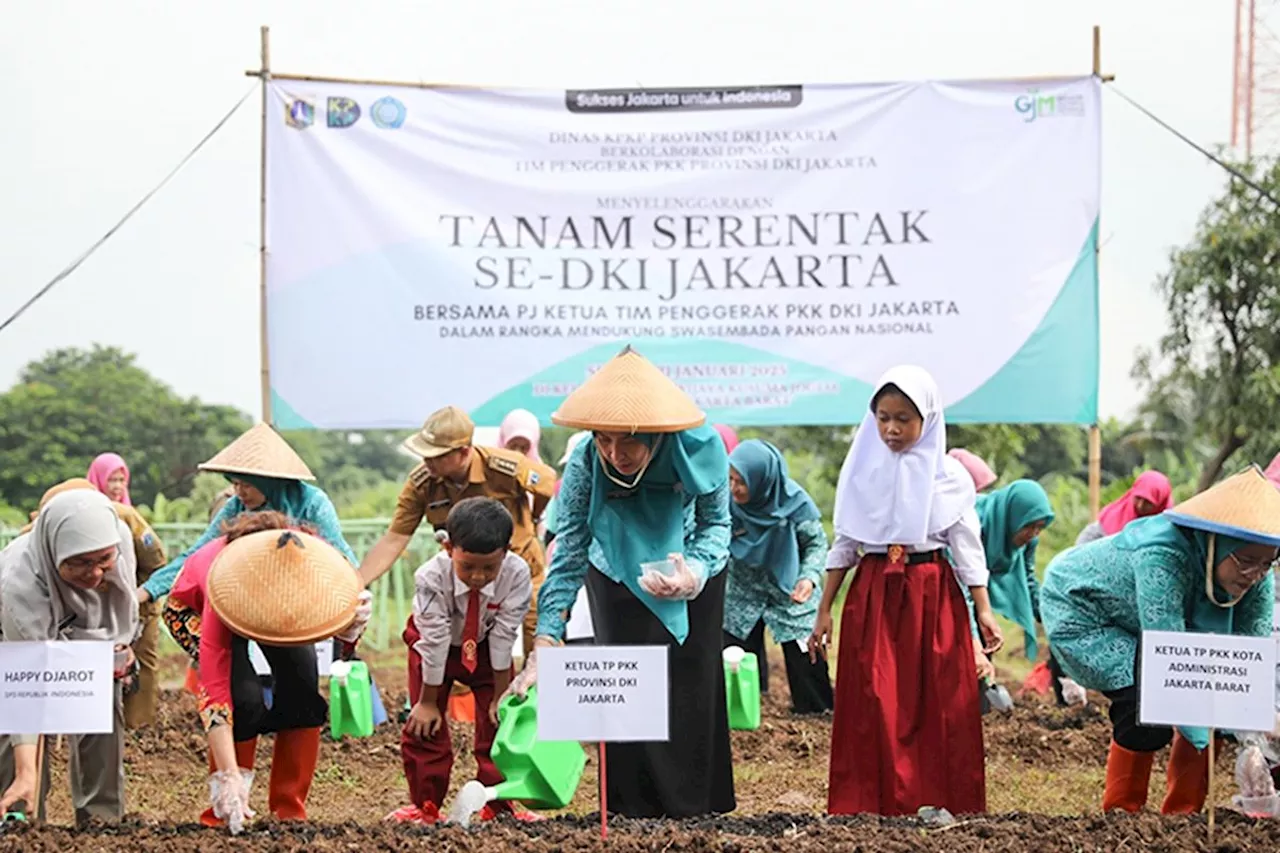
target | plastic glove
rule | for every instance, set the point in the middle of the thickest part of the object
(528, 676)
(681, 585)
(1253, 776)
(1197, 737)
(1073, 693)
(364, 611)
(229, 797)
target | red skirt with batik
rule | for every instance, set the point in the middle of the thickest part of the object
(908, 727)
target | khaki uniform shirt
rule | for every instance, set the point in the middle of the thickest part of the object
(521, 485)
(146, 543)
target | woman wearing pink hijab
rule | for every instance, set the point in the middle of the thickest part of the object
(1273, 471)
(110, 475)
(980, 471)
(520, 432)
(728, 436)
(1149, 495)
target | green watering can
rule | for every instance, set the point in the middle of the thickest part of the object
(742, 688)
(544, 775)
(350, 700)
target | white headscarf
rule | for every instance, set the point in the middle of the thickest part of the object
(887, 498)
(36, 604)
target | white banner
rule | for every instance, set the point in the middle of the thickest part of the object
(64, 687)
(775, 249)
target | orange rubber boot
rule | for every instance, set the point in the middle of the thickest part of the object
(293, 764)
(1128, 775)
(1187, 778)
(246, 751)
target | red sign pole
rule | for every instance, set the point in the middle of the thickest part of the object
(604, 796)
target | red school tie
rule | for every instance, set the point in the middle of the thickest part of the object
(471, 631)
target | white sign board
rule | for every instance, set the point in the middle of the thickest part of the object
(57, 688)
(603, 693)
(1215, 681)
(324, 658)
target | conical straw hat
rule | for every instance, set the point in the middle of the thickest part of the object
(1245, 505)
(283, 588)
(261, 451)
(629, 395)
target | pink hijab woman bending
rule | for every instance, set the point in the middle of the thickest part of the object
(110, 475)
(728, 435)
(979, 470)
(521, 432)
(1150, 494)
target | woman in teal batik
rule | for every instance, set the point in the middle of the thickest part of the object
(265, 473)
(778, 554)
(1203, 566)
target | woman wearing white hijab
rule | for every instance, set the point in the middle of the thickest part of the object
(71, 578)
(907, 731)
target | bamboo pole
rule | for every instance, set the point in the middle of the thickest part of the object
(1213, 759)
(265, 367)
(419, 84)
(1095, 471)
(1095, 434)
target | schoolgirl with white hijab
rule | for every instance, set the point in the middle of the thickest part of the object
(907, 730)
(73, 577)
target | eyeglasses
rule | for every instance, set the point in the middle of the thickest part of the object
(1253, 568)
(85, 564)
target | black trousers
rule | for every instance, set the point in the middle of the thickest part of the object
(1125, 728)
(810, 682)
(692, 773)
(296, 702)
(1055, 669)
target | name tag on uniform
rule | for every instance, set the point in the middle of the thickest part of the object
(438, 504)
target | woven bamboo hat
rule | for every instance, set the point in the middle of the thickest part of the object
(1245, 505)
(260, 451)
(629, 395)
(283, 588)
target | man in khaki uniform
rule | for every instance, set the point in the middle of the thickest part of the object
(140, 705)
(453, 469)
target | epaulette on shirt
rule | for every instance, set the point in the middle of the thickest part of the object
(419, 476)
(504, 464)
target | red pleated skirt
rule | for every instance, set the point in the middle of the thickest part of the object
(908, 727)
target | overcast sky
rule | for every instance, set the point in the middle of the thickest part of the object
(104, 98)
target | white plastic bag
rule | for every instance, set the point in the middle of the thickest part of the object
(1257, 797)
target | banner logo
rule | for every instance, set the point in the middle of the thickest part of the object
(387, 113)
(300, 113)
(343, 112)
(1033, 105)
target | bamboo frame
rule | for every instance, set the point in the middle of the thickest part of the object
(264, 74)
(411, 84)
